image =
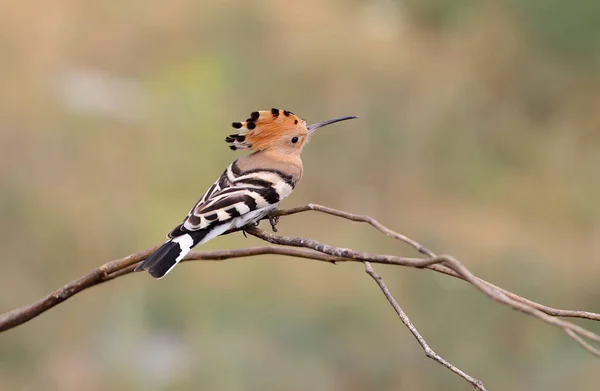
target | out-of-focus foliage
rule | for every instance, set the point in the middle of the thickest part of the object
(479, 136)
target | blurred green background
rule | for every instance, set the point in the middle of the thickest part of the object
(479, 136)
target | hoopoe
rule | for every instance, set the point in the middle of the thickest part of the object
(249, 190)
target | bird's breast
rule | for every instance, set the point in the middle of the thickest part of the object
(283, 189)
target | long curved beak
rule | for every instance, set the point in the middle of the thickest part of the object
(313, 127)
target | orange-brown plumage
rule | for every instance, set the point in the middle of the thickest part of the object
(264, 129)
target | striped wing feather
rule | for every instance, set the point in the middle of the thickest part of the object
(237, 198)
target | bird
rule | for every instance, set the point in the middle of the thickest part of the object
(249, 190)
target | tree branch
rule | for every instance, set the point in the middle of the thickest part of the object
(126, 265)
(312, 249)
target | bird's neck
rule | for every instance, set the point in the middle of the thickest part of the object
(289, 164)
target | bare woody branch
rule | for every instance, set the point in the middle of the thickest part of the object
(126, 265)
(312, 249)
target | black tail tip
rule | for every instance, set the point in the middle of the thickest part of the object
(159, 263)
(157, 271)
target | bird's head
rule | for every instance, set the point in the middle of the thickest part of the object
(279, 130)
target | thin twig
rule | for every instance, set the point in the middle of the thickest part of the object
(413, 330)
(360, 218)
(583, 343)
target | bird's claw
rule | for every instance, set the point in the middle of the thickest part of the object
(249, 225)
(273, 220)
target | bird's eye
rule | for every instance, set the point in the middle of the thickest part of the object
(294, 140)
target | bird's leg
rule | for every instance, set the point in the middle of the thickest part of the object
(273, 220)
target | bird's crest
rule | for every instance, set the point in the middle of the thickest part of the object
(263, 127)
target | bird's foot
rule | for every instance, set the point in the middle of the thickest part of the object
(273, 220)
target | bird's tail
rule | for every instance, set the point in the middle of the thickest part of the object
(169, 254)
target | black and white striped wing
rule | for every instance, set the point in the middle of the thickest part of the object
(222, 182)
(237, 198)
